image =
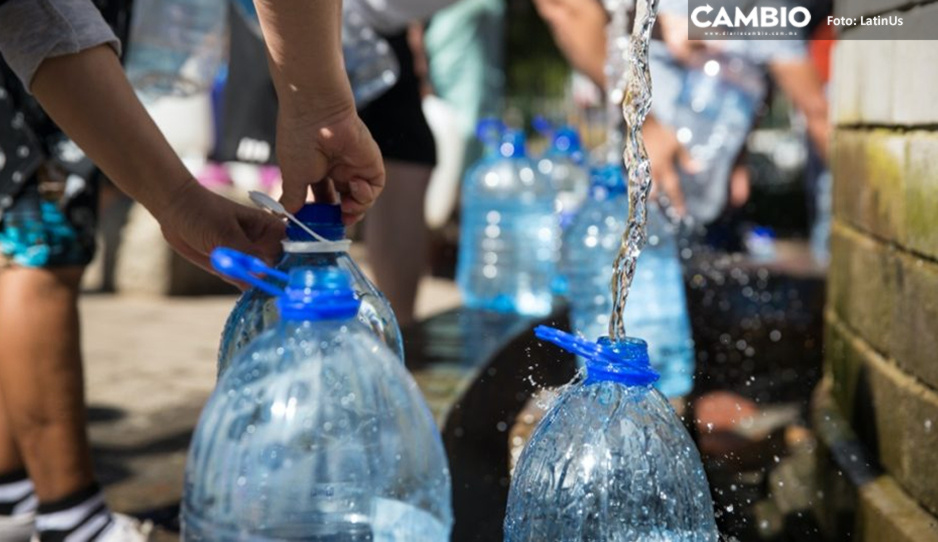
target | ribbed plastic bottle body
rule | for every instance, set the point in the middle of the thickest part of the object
(509, 239)
(657, 304)
(613, 463)
(317, 433)
(176, 46)
(256, 311)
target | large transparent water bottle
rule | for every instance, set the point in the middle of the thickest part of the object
(714, 112)
(176, 46)
(611, 460)
(317, 433)
(563, 164)
(657, 304)
(256, 310)
(371, 65)
(509, 235)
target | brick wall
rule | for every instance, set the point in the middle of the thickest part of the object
(881, 371)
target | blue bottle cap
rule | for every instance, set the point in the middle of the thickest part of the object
(608, 179)
(323, 218)
(624, 362)
(567, 141)
(489, 129)
(513, 144)
(314, 294)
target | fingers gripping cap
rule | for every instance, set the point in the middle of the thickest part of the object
(318, 294)
(323, 218)
(625, 362)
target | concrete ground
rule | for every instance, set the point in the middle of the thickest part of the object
(150, 365)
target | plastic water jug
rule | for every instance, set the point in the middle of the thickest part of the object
(256, 309)
(509, 238)
(610, 461)
(317, 432)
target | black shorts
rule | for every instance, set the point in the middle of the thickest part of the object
(396, 119)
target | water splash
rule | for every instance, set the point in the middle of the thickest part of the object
(635, 107)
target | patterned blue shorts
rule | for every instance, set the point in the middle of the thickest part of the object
(37, 230)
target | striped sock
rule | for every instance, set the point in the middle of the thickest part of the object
(16, 494)
(79, 517)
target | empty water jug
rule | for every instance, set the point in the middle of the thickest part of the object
(176, 46)
(610, 461)
(317, 433)
(256, 310)
(715, 110)
(563, 164)
(657, 303)
(509, 238)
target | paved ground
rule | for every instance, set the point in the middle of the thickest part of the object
(150, 365)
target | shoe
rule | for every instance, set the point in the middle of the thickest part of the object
(17, 528)
(126, 529)
(123, 528)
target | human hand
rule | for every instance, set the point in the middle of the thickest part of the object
(674, 32)
(329, 152)
(666, 153)
(195, 221)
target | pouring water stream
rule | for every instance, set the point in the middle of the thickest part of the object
(635, 106)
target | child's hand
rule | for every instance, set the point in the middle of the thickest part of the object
(316, 148)
(196, 221)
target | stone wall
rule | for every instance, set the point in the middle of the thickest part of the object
(876, 412)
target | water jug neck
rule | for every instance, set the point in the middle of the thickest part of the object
(311, 293)
(318, 294)
(623, 362)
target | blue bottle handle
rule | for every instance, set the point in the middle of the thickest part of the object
(245, 268)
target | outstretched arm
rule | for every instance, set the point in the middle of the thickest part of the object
(319, 135)
(89, 97)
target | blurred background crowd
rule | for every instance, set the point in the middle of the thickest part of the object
(449, 87)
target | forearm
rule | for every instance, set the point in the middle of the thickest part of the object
(89, 97)
(801, 83)
(578, 28)
(304, 45)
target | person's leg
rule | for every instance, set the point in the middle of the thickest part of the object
(41, 377)
(397, 236)
(10, 458)
(17, 499)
